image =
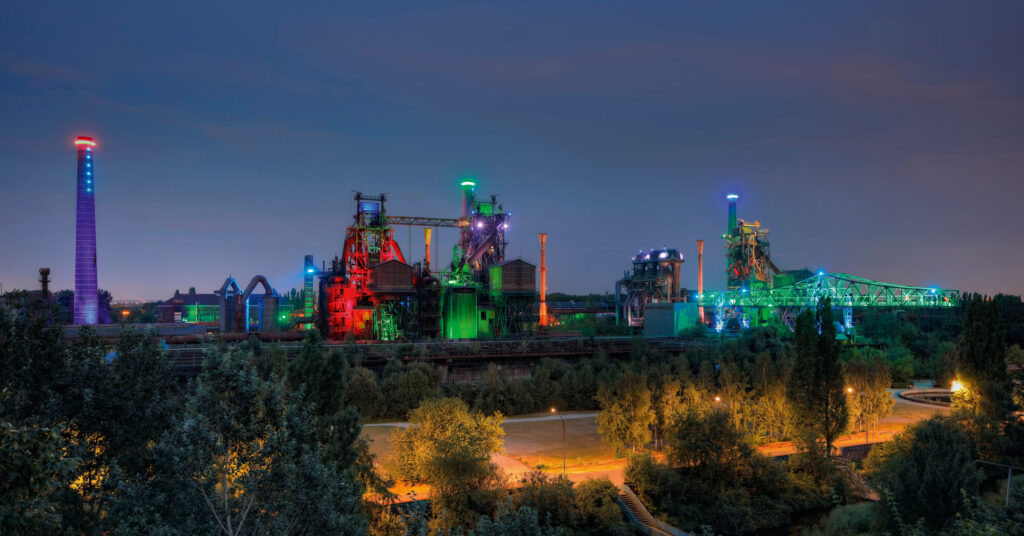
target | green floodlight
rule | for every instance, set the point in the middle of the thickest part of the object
(468, 183)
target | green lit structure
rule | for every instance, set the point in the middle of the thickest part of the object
(758, 293)
(761, 306)
(372, 293)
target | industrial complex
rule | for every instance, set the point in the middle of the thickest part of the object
(756, 291)
(373, 291)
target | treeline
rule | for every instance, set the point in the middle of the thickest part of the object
(98, 440)
(101, 440)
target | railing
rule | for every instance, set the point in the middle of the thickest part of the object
(641, 518)
(933, 396)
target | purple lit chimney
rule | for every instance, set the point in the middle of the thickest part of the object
(86, 304)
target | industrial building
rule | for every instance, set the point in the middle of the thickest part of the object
(756, 291)
(372, 292)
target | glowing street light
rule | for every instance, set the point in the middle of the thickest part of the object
(867, 432)
(563, 439)
(956, 386)
(718, 399)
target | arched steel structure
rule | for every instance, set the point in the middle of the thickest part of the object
(234, 306)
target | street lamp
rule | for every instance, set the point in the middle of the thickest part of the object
(860, 399)
(563, 439)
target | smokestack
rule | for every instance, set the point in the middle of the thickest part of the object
(543, 280)
(44, 282)
(732, 212)
(426, 247)
(700, 275)
(468, 188)
(676, 280)
(307, 288)
(87, 301)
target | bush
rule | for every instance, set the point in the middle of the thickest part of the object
(850, 520)
(928, 470)
(598, 511)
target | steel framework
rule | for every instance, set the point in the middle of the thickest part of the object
(426, 222)
(845, 291)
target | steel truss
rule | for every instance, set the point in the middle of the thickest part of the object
(845, 291)
(426, 222)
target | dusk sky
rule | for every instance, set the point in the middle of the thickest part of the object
(880, 139)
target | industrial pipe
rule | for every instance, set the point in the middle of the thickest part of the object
(700, 276)
(732, 212)
(543, 280)
(426, 247)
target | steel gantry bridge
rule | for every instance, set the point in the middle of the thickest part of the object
(845, 291)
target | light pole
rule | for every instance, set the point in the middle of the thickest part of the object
(563, 439)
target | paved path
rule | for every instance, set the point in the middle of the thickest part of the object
(513, 420)
(514, 469)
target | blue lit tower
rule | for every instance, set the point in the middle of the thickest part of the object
(86, 305)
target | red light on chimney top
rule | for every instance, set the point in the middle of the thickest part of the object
(84, 140)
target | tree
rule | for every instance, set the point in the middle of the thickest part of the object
(710, 446)
(449, 447)
(927, 470)
(491, 397)
(508, 522)
(32, 470)
(255, 460)
(715, 477)
(816, 389)
(553, 498)
(982, 366)
(626, 413)
(407, 386)
(597, 506)
(668, 404)
(732, 391)
(766, 416)
(363, 392)
(869, 380)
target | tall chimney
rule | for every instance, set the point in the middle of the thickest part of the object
(87, 300)
(732, 212)
(426, 247)
(700, 275)
(543, 280)
(44, 282)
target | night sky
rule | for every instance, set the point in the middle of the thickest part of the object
(880, 139)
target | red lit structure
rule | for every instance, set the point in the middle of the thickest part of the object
(348, 296)
(373, 293)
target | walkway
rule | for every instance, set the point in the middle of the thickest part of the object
(555, 417)
(589, 458)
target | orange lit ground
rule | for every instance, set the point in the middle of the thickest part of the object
(538, 444)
